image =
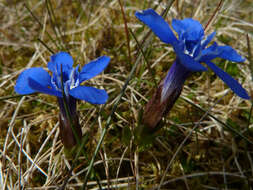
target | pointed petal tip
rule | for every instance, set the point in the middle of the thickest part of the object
(243, 94)
(246, 97)
(233, 84)
(157, 24)
(242, 59)
(142, 12)
(105, 98)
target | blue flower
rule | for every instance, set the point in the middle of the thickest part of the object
(61, 66)
(191, 50)
(64, 83)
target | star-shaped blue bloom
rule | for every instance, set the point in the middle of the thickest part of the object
(61, 66)
(191, 48)
(64, 83)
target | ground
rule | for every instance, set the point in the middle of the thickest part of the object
(205, 141)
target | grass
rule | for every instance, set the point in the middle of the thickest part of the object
(195, 149)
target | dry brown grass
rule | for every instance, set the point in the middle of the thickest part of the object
(211, 157)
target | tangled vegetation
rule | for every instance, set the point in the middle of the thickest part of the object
(206, 140)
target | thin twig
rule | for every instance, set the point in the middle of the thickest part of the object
(46, 46)
(126, 31)
(214, 13)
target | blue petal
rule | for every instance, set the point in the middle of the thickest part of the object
(38, 74)
(191, 29)
(187, 61)
(38, 87)
(208, 40)
(89, 94)
(225, 52)
(197, 49)
(209, 53)
(232, 83)
(157, 24)
(94, 68)
(58, 59)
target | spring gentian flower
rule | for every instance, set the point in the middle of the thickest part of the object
(191, 49)
(64, 83)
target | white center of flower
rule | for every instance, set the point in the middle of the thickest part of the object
(74, 80)
(74, 84)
